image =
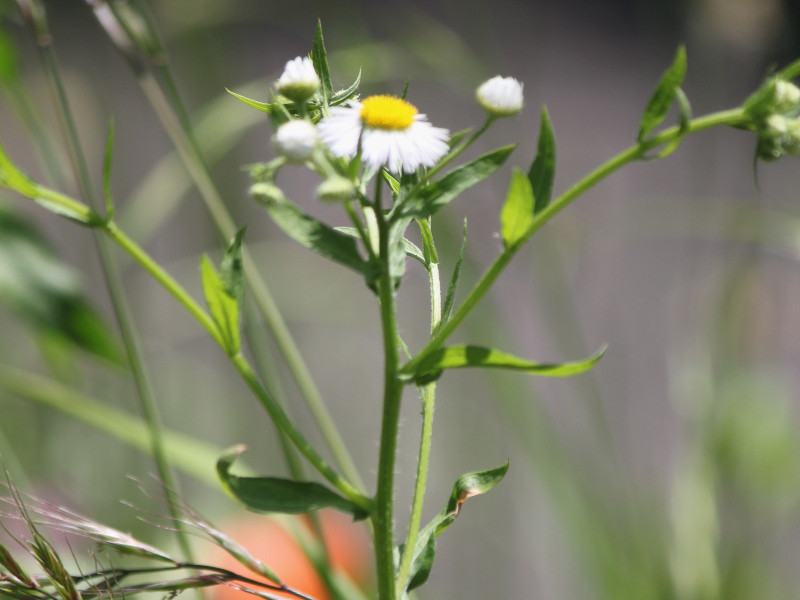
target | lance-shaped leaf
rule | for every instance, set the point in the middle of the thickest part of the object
(663, 96)
(320, 59)
(685, 118)
(107, 160)
(439, 193)
(276, 495)
(411, 248)
(317, 236)
(346, 94)
(262, 106)
(543, 170)
(458, 357)
(466, 487)
(450, 296)
(516, 217)
(231, 269)
(222, 307)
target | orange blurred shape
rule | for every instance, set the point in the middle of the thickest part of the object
(347, 544)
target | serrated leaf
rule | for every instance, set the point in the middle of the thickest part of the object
(262, 106)
(346, 94)
(516, 217)
(231, 269)
(276, 495)
(222, 307)
(107, 160)
(467, 486)
(318, 237)
(460, 356)
(439, 193)
(320, 59)
(543, 170)
(663, 96)
(450, 296)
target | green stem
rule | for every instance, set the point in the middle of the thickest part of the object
(383, 517)
(38, 21)
(428, 397)
(731, 117)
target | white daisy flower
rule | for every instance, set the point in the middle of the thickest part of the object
(296, 140)
(299, 80)
(388, 130)
(500, 96)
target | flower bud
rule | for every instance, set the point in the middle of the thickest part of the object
(336, 189)
(299, 81)
(296, 140)
(500, 96)
(267, 193)
(787, 96)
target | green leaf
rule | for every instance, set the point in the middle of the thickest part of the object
(78, 216)
(9, 61)
(222, 306)
(397, 251)
(317, 236)
(458, 357)
(46, 293)
(346, 94)
(262, 106)
(231, 269)
(276, 495)
(663, 96)
(450, 296)
(516, 216)
(790, 72)
(320, 59)
(439, 193)
(466, 487)
(543, 170)
(428, 247)
(107, 160)
(685, 116)
(458, 136)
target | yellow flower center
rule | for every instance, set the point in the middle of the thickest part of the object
(387, 112)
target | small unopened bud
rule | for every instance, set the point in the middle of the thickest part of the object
(267, 193)
(296, 140)
(500, 96)
(299, 81)
(787, 96)
(336, 189)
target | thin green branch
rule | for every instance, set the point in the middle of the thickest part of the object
(731, 117)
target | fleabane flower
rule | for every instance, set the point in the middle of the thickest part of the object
(389, 132)
(500, 96)
(299, 81)
(296, 140)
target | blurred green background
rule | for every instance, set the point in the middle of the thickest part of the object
(670, 471)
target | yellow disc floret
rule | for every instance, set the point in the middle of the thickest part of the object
(387, 112)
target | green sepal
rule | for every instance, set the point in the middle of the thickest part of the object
(466, 487)
(222, 307)
(543, 170)
(663, 96)
(276, 495)
(461, 356)
(231, 269)
(107, 161)
(516, 217)
(317, 236)
(320, 59)
(439, 193)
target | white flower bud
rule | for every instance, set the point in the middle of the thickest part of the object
(267, 193)
(500, 96)
(299, 80)
(296, 140)
(336, 189)
(787, 96)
